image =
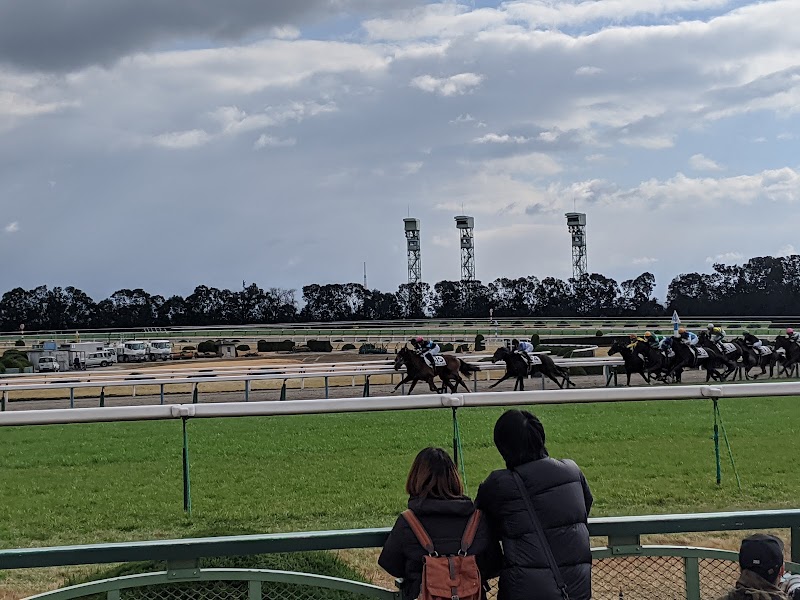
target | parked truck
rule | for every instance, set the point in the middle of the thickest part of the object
(159, 350)
(132, 351)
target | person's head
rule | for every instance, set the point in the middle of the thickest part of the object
(515, 343)
(648, 334)
(710, 326)
(434, 475)
(519, 437)
(419, 339)
(762, 554)
(682, 330)
(789, 331)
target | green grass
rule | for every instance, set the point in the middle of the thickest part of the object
(117, 481)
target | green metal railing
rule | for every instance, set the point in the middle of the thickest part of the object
(623, 568)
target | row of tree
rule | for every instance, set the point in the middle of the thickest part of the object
(766, 285)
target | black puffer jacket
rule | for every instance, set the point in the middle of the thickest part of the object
(562, 500)
(445, 521)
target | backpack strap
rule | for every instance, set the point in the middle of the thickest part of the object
(419, 531)
(470, 531)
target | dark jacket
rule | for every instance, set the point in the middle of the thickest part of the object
(751, 586)
(562, 500)
(445, 521)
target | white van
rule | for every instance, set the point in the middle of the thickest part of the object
(111, 353)
(48, 363)
(97, 359)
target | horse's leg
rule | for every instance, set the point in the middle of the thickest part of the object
(554, 380)
(501, 380)
(405, 379)
(645, 376)
(413, 385)
(459, 381)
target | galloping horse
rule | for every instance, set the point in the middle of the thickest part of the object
(729, 355)
(634, 362)
(752, 359)
(685, 358)
(792, 352)
(656, 362)
(419, 370)
(516, 366)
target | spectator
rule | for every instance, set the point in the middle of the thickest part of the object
(558, 493)
(436, 497)
(761, 561)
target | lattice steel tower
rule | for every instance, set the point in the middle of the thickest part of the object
(413, 250)
(576, 223)
(465, 225)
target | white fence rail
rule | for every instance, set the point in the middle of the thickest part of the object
(387, 403)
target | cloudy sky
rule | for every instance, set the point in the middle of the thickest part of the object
(167, 144)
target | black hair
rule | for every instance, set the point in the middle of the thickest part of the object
(519, 437)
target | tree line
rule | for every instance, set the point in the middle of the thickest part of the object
(763, 286)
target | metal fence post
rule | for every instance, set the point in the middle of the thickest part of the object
(162, 393)
(102, 397)
(72, 397)
(691, 568)
(366, 386)
(283, 390)
(187, 490)
(254, 590)
(794, 534)
(5, 400)
(195, 394)
(247, 390)
(326, 388)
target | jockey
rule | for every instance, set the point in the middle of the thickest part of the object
(752, 342)
(718, 336)
(635, 339)
(794, 336)
(687, 337)
(425, 347)
(523, 348)
(654, 340)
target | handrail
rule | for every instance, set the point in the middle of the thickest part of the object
(193, 548)
(386, 403)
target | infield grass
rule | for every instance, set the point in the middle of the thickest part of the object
(121, 481)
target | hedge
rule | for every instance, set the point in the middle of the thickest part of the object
(284, 346)
(207, 346)
(243, 348)
(319, 346)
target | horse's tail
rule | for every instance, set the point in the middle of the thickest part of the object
(466, 368)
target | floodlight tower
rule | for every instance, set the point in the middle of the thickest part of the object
(465, 225)
(576, 223)
(413, 250)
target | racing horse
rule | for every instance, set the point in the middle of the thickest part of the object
(417, 369)
(656, 361)
(752, 359)
(687, 358)
(634, 361)
(516, 366)
(728, 356)
(791, 352)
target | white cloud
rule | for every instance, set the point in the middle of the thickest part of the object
(182, 139)
(462, 118)
(447, 86)
(287, 32)
(644, 260)
(699, 162)
(265, 141)
(651, 142)
(785, 136)
(787, 250)
(587, 70)
(411, 168)
(726, 258)
(12, 227)
(494, 138)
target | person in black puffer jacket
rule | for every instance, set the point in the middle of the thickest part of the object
(562, 500)
(436, 496)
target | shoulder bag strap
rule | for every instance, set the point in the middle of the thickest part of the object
(470, 531)
(419, 531)
(537, 525)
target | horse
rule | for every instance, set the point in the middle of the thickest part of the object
(728, 356)
(685, 358)
(655, 360)
(791, 352)
(417, 369)
(634, 362)
(752, 359)
(517, 366)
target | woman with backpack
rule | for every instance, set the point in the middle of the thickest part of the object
(441, 546)
(538, 507)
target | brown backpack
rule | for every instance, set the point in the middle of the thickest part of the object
(452, 577)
